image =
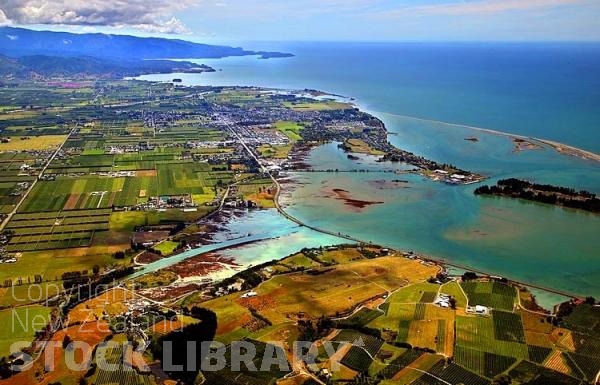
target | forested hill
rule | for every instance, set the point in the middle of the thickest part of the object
(24, 42)
(82, 66)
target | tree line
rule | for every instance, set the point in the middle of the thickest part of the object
(544, 193)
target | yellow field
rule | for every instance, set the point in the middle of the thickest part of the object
(52, 263)
(337, 289)
(262, 199)
(538, 339)
(276, 152)
(435, 314)
(284, 297)
(201, 199)
(33, 143)
(422, 333)
(299, 260)
(408, 375)
(17, 114)
(557, 362)
(360, 146)
(535, 322)
(110, 302)
(563, 338)
(341, 256)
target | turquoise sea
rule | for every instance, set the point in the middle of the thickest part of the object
(549, 91)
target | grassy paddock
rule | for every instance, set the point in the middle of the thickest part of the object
(20, 324)
(45, 142)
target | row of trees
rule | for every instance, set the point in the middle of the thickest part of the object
(548, 194)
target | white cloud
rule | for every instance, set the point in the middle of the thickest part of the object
(171, 26)
(147, 15)
(3, 19)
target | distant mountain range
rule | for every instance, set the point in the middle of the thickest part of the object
(17, 42)
(26, 53)
(82, 66)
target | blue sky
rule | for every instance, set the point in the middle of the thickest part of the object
(350, 20)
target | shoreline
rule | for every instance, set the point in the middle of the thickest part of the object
(441, 261)
(559, 147)
(570, 150)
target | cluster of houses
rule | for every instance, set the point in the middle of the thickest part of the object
(478, 309)
(7, 257)
(153, 118)
(115, 174)
(185, 202)
(129, 148)
(209, 144)
(443, 300)
(249, 294)
(450, 178)
(258, 135)
(20, 188)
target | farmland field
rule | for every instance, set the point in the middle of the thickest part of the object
(85, 193)
(478, 333)
(114, 356)
(56, 230)
(362, 317)
(538, 354)
(453, 374)
(508, 326)
(585, 319)
(367, 342)
(491, 294)
(337, 288)
(588, 365)
(412, 293)
(290, 129)
(20, 324)
(357, 359)
(453, 289)
(33, 143)
(266, 375)
(181, 178)
(405, 359)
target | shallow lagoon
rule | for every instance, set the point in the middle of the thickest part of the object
(535, 243)
(540, 244)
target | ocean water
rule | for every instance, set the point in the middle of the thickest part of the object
(549, 91)
(544, 90)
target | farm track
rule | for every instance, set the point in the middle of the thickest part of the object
(34, 182)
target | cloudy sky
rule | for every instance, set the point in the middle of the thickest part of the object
(356, 20)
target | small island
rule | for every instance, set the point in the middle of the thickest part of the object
(559, 196)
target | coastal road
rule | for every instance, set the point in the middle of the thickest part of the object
(278, 193)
